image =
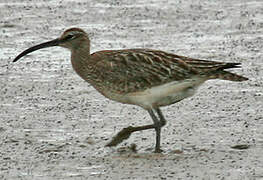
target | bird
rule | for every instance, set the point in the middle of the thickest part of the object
(148, 78)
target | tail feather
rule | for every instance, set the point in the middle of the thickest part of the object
(229, 65)
(219, 73)
(214, 69)
(224, 75)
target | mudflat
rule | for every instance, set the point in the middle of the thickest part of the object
(54, 125)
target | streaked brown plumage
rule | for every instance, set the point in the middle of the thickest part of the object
(143, 77)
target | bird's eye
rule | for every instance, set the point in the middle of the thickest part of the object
(70, 36)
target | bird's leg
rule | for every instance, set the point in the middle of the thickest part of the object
(158, 126)
(161, 117)
(126, 132)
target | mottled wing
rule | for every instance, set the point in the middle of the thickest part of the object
(131, 70)
(203, 66)
(213, 69)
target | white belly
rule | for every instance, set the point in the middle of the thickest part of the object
(165, 94)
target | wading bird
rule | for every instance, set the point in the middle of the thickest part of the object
(143, 77)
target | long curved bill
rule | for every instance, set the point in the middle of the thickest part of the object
(54, 42)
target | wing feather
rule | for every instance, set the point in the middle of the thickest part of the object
(131, 70)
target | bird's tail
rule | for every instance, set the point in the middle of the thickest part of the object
(225, 75)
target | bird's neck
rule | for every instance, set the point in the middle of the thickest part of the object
(80, 61)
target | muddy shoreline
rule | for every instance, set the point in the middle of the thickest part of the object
(55, 126)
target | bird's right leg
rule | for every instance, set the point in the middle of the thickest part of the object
(126, 132)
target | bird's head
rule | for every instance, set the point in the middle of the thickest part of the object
(71, 39)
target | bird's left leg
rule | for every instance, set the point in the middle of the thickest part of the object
(159, 123)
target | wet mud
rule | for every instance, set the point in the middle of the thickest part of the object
(53, 125)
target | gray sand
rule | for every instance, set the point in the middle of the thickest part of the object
(54, 125)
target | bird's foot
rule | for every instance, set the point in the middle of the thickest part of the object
(158, 150)
(121, 136)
